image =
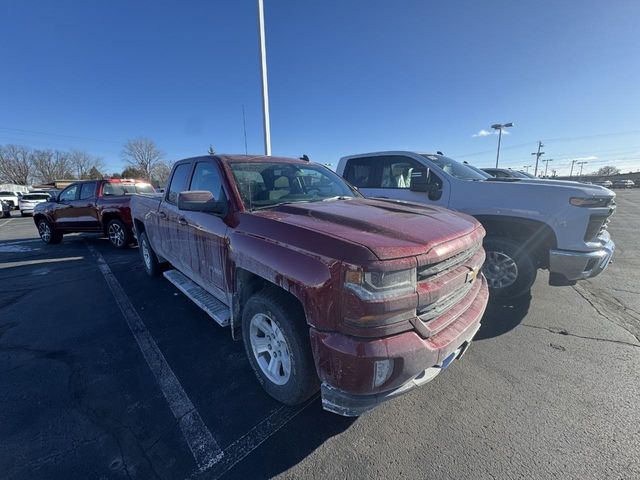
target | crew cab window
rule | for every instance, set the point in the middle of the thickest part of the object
(178, 182)
(69, 194)
(87, 191)
(207, 177)
(359, 172)
(396, 171)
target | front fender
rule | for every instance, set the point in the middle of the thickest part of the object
(312, 279)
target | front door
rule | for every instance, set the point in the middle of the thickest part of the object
(206, 233)
(391, 178)
(171, 227)
(64, 213)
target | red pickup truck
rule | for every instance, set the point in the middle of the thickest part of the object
(91, 206)
(365, 298)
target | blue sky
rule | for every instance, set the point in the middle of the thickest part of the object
(344, 77)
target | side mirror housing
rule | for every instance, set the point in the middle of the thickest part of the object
(420, 180)
(200, 201)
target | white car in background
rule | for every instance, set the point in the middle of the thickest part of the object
(11, 198)
(28, 202)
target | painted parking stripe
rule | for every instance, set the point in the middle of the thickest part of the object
(2, 224)
(203, 446)
(251, 440)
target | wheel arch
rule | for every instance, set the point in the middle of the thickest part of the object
(538, 237)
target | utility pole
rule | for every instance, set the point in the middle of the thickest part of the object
(538, 154)
(546, 161)
(500, 127)
(573, 162)
(581, 165)
(265, 87)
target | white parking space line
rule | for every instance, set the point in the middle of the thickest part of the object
(203, 446)
(251, 440)
(2, 224)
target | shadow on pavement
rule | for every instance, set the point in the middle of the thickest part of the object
(502, 316)
(308, 431)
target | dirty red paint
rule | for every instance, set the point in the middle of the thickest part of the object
(307, 248)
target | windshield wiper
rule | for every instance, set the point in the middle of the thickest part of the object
(337, 197)
(262, 207)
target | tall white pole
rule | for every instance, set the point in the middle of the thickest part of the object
(265, 87)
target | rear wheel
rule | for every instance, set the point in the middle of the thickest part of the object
(47, 233)
(509, 268)
(149, 258)
(276, 340)
(118, 233)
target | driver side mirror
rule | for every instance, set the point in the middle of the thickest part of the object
(421, 181)
(200, 201)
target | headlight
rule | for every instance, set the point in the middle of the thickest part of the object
(591, 202)
(380, 285)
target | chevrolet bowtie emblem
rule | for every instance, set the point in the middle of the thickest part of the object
(471, 276)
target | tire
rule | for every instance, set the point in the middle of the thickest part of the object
(118, 233)
(288, 343)
(48, 233)
(509, 269)
(149, 258)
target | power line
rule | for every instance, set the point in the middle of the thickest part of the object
(48, 134)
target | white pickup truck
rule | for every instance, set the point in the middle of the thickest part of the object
(531, 224)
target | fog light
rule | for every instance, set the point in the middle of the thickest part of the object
(382, 371)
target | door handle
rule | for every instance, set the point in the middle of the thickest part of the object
(162, 215)
(182, 221)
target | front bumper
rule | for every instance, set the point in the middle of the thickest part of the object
(573, 266)
(346, 364)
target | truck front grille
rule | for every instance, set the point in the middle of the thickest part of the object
(435, 270)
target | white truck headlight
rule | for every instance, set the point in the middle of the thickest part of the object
(591, 201)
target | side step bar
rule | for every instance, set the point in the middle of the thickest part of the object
(198, 295)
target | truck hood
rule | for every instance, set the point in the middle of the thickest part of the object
(389, 229)
(595, 189)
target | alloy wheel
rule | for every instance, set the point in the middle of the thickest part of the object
(500, 270)
(270, 349)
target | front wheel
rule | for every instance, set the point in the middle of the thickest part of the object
(276, 340)
(509, 269)
(47, 233)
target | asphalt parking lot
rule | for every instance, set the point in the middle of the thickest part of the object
(107, 373)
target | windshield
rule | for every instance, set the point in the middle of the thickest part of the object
(456, 169)
(265, 184)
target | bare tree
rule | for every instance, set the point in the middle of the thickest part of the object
(161, 173)
(50, 165)
(16, 164)
(608, 170)
(83, 163)
(143, 155)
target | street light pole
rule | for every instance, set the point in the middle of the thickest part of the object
(546, 165)
(265, 87)
(499, 127)
(526, 168)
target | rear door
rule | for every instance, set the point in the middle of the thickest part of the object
(84, 207)
(206, 233)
